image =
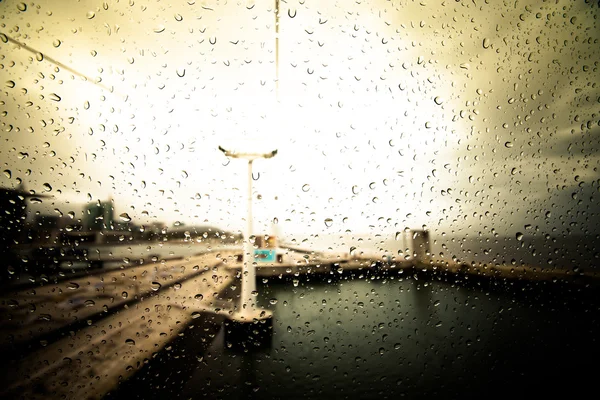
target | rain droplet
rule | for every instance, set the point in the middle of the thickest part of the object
(22, 7)
(508, 145)
(159, 29)
(125, 217)
(355, 189)
(181, 72)
(199, 297)
(306, 188)
(90, 15)
(73, 286)
(89, 303)
(156, 286)
(47, 187)
(39, 57)
(130, 342)
(178, 17)
(196, 314)
(54, 97)
(328, 222)
(10, 84)
(519, 236)
(291, 12)
(438, 100)
(7, 173)
(273, 301)
(486, 43)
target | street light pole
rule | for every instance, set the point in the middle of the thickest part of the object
(248, 271)
(247, 309)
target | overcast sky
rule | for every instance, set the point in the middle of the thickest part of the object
(462, 116)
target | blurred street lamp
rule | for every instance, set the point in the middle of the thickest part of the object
(247, 302)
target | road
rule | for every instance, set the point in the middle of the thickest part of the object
(115, 335)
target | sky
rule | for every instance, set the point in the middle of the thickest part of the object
(463, 117)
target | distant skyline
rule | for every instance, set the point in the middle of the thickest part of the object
(463, 117)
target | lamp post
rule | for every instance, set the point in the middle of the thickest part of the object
(247, 309)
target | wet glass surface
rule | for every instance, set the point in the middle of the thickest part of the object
(390, 337)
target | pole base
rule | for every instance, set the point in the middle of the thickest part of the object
(250, 331)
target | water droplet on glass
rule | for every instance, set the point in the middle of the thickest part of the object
(130, 342)
(438, 100)
(328, 222)
(47, 187)
(519, 236)
(90, 15)
(306, 188)
(89, 303)
(291, 12)
(273, 301)
(7, 173)
(159, 29)
(199, 297)
(10, 84)
(178, 17)
(54, 97)
(73, 285)
(155, 286)
(125, 217)
(22, 7)
(508, 145)
(486, 43)
(39, 57)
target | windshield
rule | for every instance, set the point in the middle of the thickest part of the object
(298, 198)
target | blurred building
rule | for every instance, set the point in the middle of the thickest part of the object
(420, 245)
(13, 214)
(99, 216)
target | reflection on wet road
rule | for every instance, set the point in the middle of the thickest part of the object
(388, 338)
